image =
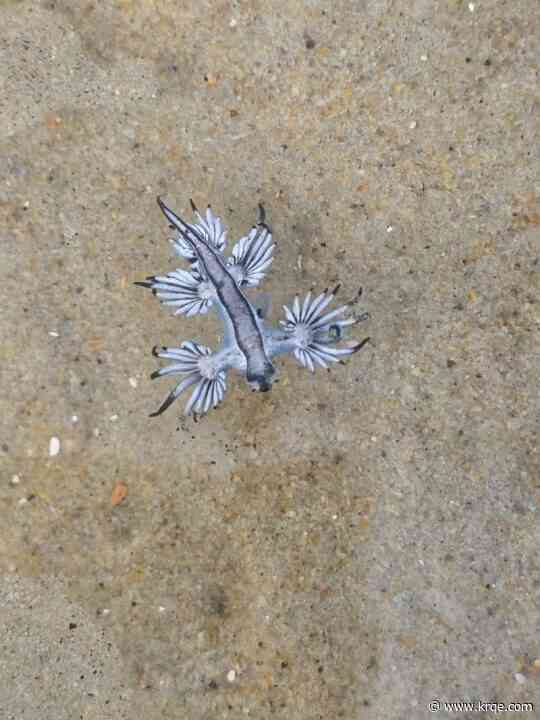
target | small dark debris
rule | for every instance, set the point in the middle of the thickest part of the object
(372, 663)
(218, 602)
(72, 626)
(310, 42)
(450, 363)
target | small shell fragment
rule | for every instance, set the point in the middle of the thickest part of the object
(54, 446)
(119, 493)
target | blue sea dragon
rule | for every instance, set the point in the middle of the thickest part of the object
(310, 332)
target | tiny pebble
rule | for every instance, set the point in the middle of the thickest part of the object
(15, 480)
(105, 611)
(471, 7)
(389, 228)
(412, 124)
(231, 676)
(22, 501)
(113, 418)
(233, 23)
(74, 418)
(520, 678)
(54, 446)
(96, 432)
(423, 58)
(133, 382)
(161, 608)
(52, 333)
